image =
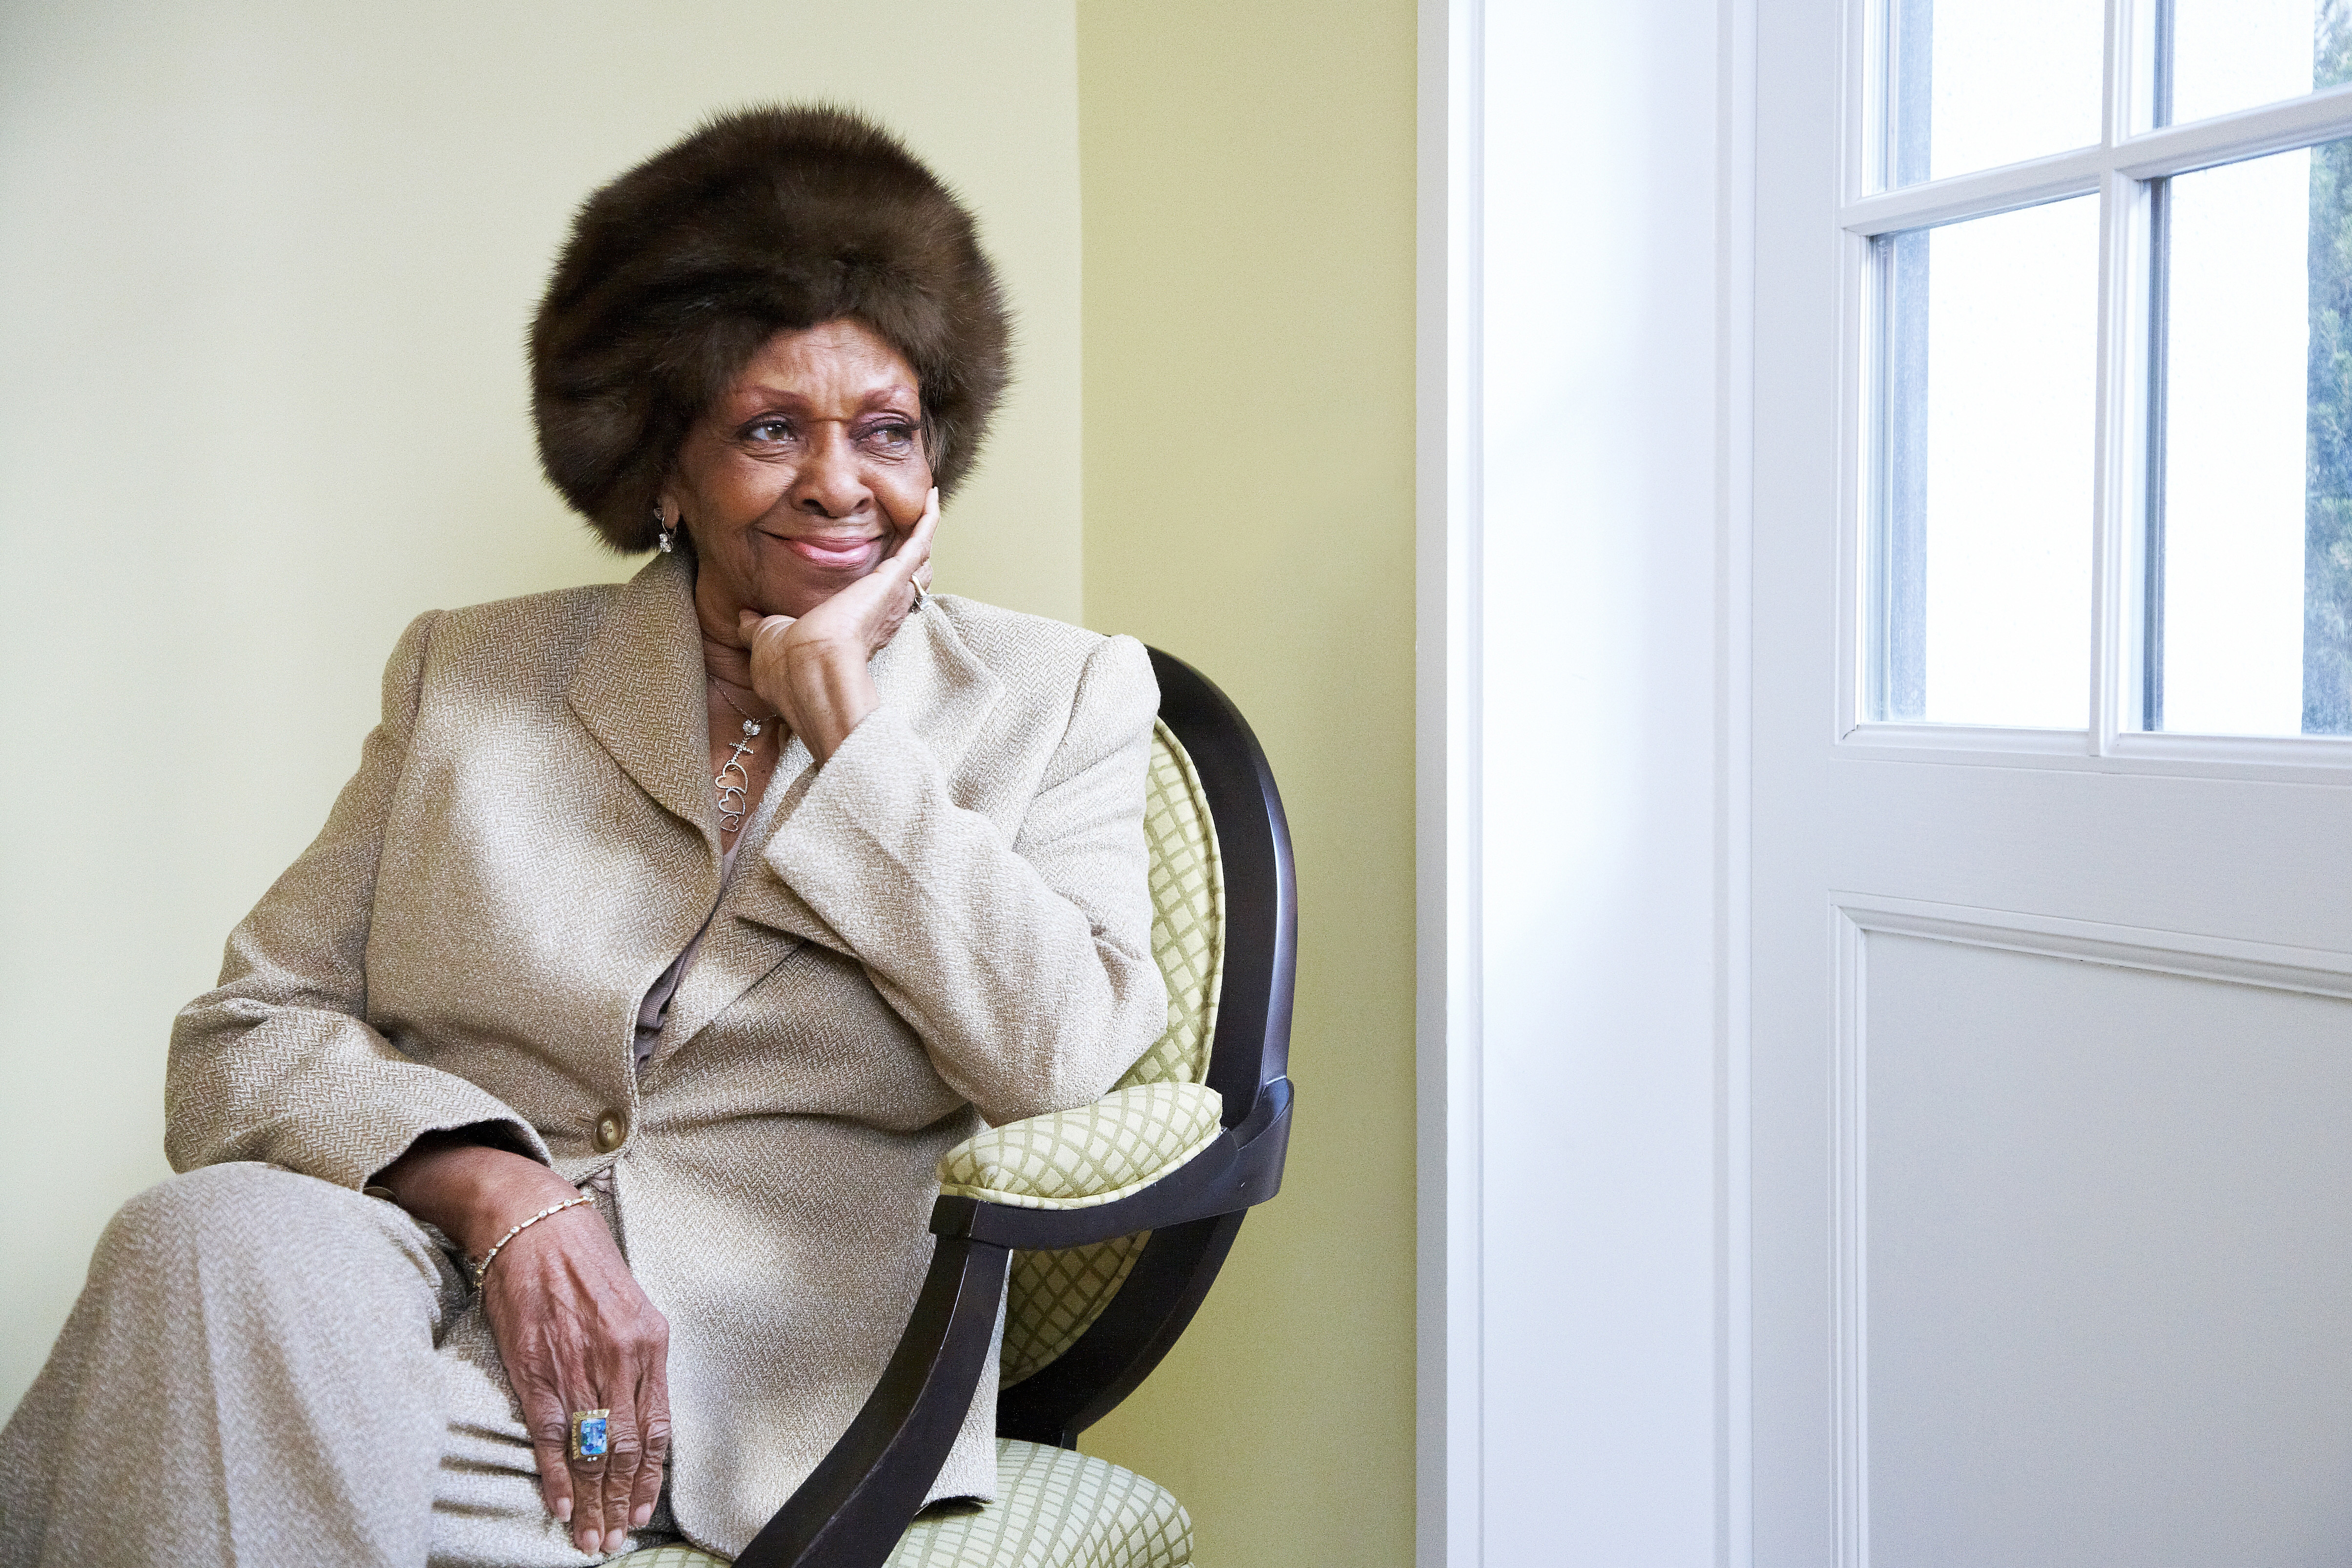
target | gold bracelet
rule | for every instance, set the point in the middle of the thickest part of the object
(483, 1267)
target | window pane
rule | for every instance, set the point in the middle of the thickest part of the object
(1974, 83)
(2225, 54)
(1982, 574)
(2249, 596)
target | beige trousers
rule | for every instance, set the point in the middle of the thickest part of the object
(266, 1368)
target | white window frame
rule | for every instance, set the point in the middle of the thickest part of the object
(2117, 171)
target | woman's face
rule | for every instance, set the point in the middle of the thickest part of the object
(805, 474)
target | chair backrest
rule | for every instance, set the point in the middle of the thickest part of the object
(1224, 932)
(1055, 1296)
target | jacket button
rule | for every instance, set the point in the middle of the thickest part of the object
(608, 1131)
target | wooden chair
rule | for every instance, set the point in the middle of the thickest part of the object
(1108, 1223)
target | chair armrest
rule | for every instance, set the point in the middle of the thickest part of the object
(852, 1508)
(1235, 1168)
(1096, 1154)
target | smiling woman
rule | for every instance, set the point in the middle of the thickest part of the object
(801, 481)
(666, 926)
(801, 474)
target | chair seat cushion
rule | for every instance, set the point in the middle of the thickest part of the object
(1054, 1509)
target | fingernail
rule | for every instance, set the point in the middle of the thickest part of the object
(615, 1539)
(564, 1510)
(644, 1512)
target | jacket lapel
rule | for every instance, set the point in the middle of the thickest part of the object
(639, 690)
(737, 954)
(946, 695)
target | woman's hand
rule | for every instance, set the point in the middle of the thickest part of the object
(576, 1333)
(813, 669)
(573, 1329)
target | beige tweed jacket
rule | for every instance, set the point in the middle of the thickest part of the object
(947, 923)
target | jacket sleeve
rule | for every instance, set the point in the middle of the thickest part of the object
(278, 1062)
(1025, 967)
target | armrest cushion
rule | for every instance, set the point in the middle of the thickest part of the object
(1098, 1153)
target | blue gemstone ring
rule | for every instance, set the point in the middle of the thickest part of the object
(589, 1439)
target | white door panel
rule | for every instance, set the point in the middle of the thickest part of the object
(2050, 1092)
(2106, 1306)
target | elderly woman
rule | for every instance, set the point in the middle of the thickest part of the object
(558, 1145)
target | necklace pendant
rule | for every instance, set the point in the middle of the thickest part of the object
(734, 781)
(734, 786)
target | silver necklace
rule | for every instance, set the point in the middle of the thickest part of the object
(734, 784)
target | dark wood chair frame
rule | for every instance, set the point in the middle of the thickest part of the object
(854, 1507)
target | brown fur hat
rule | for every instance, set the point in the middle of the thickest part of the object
(762, 220)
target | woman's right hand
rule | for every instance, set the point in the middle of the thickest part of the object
(577, 1333)
(813, 670)
(573, 1329)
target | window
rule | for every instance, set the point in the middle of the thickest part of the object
(2104, 288)
(1989, 403)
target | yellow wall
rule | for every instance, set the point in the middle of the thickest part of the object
(1248, 177)
(266, 268)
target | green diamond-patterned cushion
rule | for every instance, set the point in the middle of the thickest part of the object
(1054, 1509)
(1188, 914)
(1055, 1296)
(1095, 1154)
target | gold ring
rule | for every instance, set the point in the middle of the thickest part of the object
(590, 1435)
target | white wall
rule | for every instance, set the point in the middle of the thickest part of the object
(264, 275)
(1580, 734)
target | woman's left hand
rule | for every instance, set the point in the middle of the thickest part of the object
(813, 669)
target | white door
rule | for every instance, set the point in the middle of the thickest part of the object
(2052, 1092)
